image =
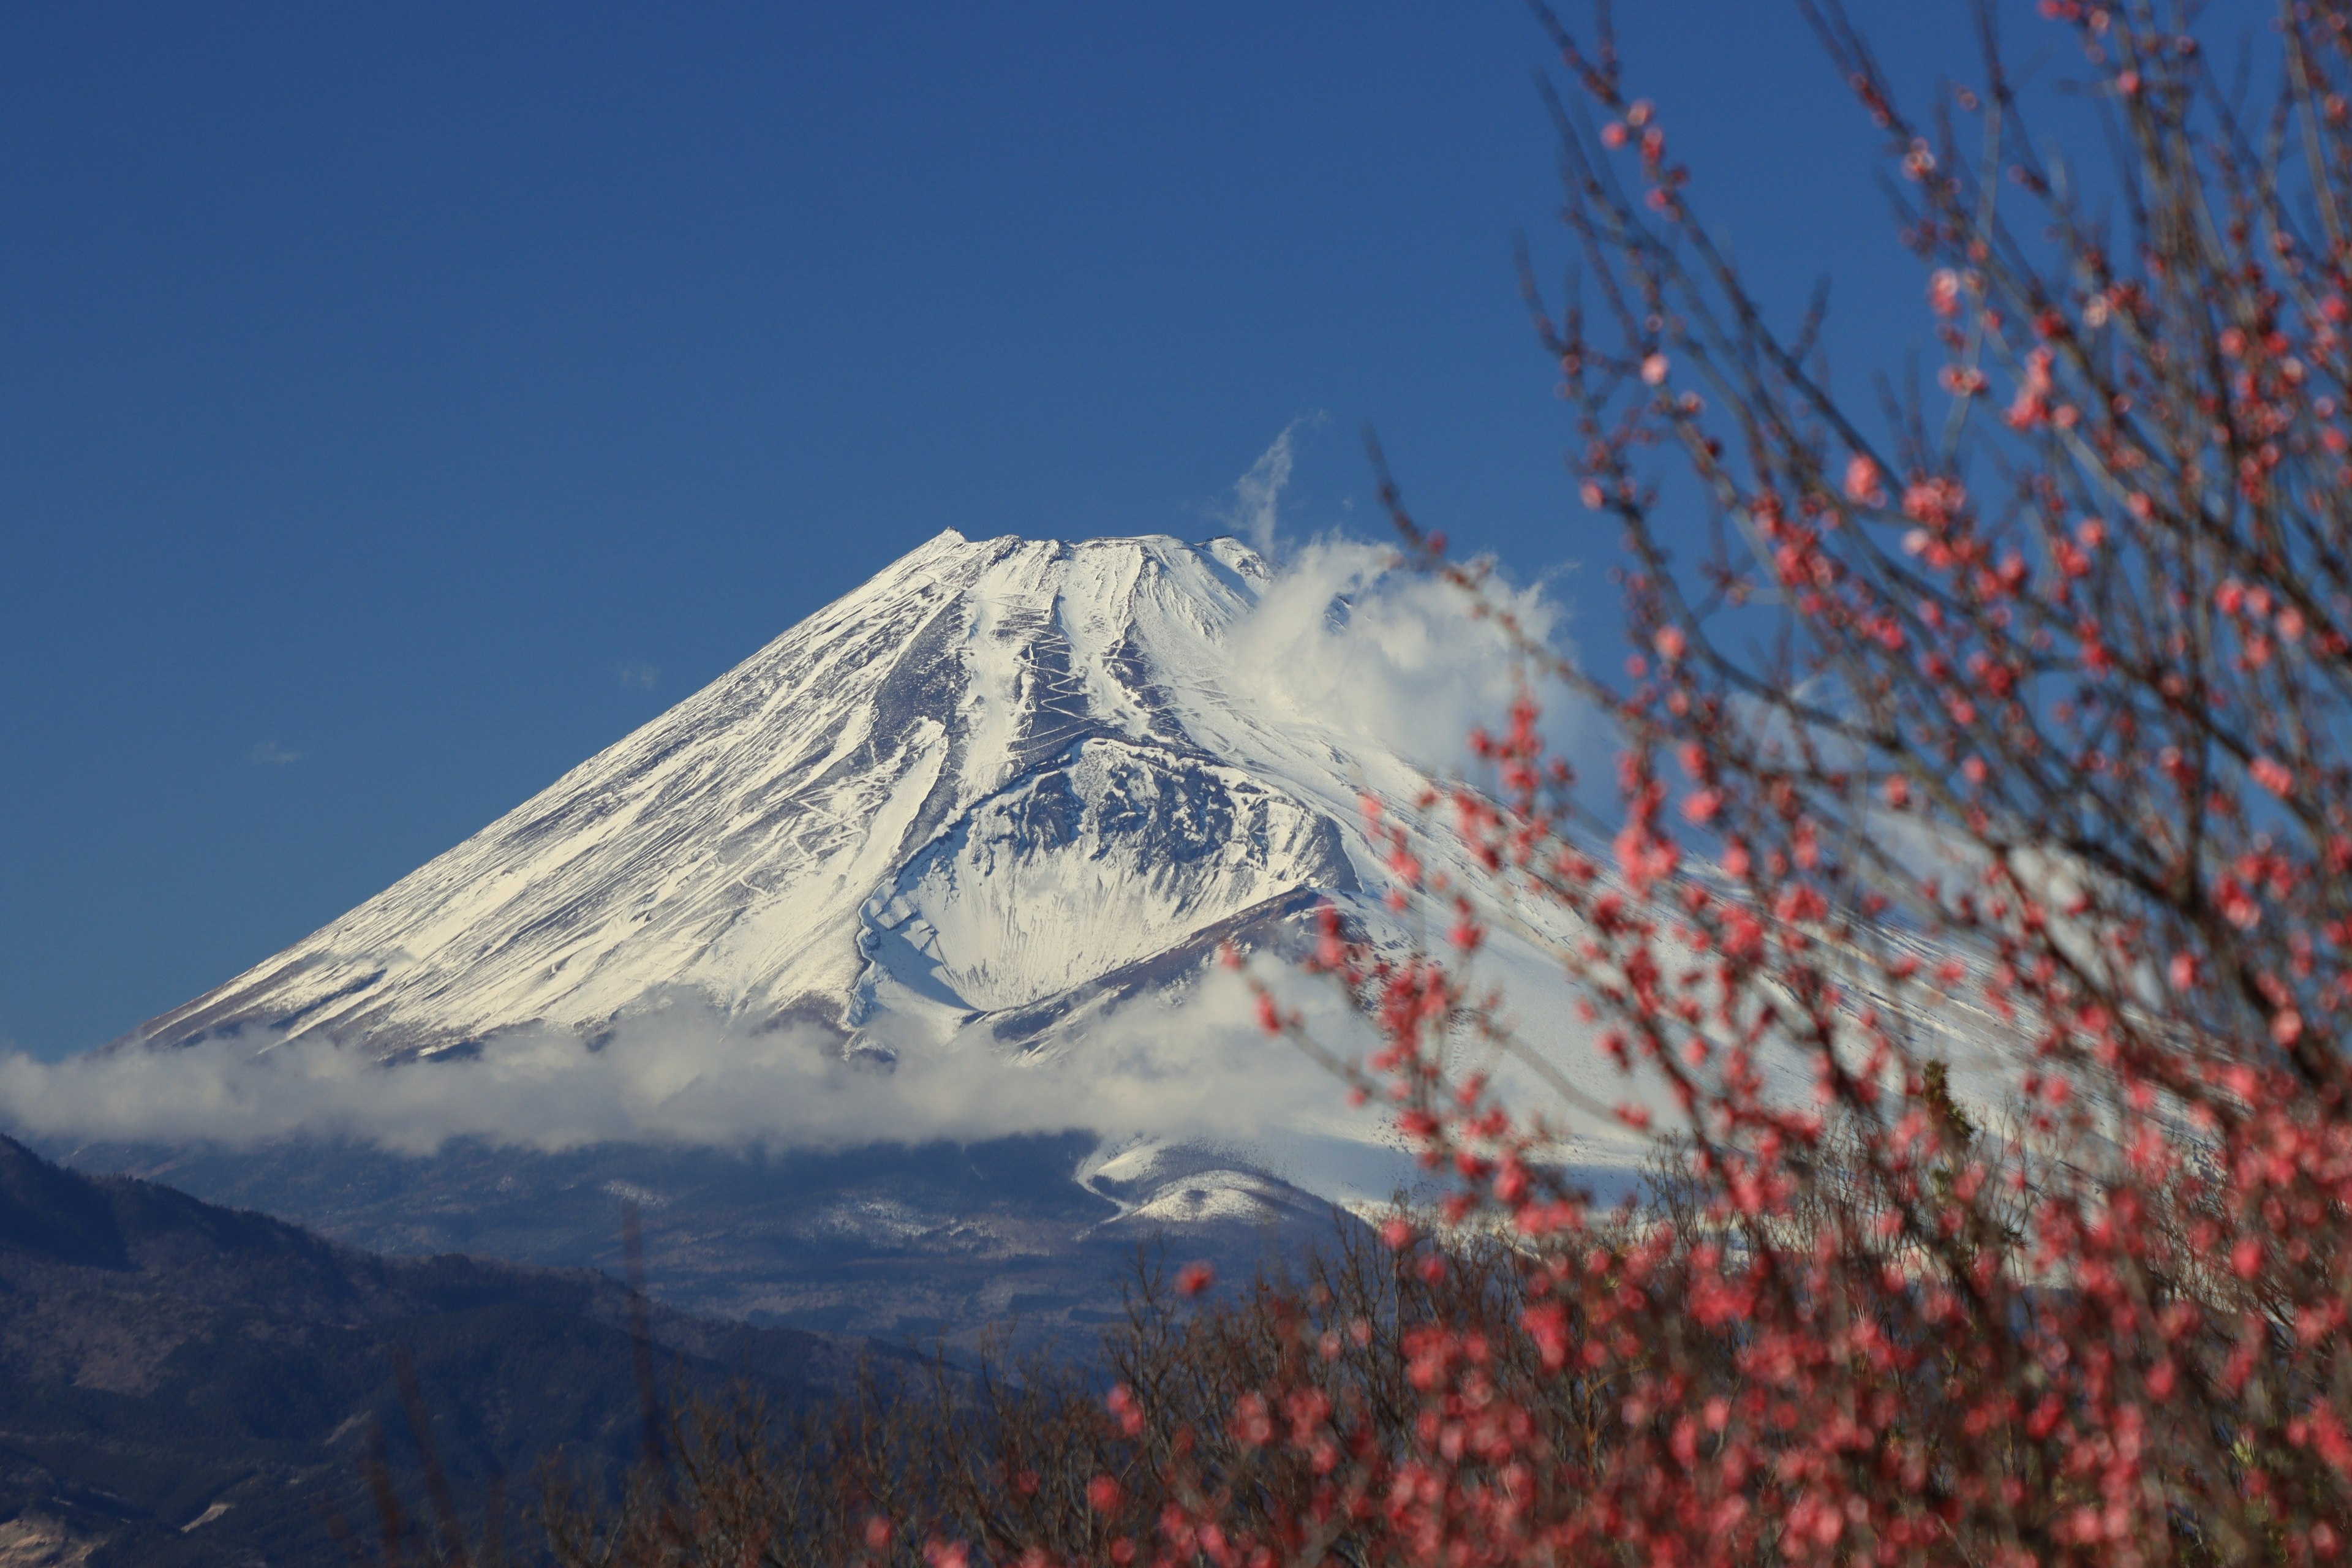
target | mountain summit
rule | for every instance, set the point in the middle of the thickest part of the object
(1002, 782)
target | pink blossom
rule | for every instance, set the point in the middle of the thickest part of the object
(1864, 484)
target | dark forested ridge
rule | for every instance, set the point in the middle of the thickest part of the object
(183, 1384)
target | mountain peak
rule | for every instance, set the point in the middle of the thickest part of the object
(996, 778)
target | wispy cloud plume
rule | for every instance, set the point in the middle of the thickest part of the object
(1256, 512)
(270, 754)
(636, 675)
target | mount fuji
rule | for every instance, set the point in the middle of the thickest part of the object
(1007, 793)
(1004, 782)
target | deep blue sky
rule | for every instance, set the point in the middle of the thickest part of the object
(387, 394)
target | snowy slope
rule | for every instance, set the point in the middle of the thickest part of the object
(998, 775)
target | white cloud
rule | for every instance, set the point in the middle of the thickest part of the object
(1343, 642)
(1256, 511)
(270, 754)
(636, 675)
(688, 1076)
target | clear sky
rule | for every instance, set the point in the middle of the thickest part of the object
(398, 404)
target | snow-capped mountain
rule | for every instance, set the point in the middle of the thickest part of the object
(946, 829)
(991, 796)
(1003, 777)
(981, 823)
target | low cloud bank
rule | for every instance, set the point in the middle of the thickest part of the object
(686, 1075)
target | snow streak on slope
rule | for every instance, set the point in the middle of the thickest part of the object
(997, 774)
